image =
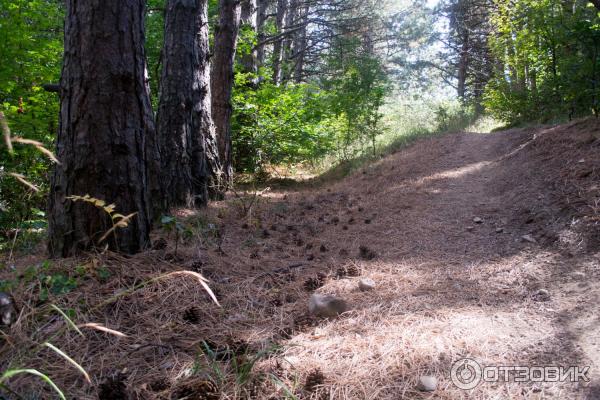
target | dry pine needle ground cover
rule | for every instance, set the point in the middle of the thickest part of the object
(447, 287)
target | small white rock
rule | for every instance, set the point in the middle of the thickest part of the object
(8, 312)
(469, 228)
(499, 230)
(478, 220)
(326, 305)
(528, 238)
(366, 284)
(427, 383)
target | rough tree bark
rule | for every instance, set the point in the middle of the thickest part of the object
(226, 33)
(261, 19)
(190, 164)
(300, 43)
(249, 18)
(106, 128)
(288, 40)
(207, 172)
(280, 19)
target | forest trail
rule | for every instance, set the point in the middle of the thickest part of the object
(441, 227)
(449, 221)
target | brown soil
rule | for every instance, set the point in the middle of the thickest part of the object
(447, 287)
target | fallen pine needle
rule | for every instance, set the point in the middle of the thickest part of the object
(98, 327)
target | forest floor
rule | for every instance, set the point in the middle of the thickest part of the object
(484, 246)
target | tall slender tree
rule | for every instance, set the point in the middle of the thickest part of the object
(249, 20)
(106, 128)
(226, 33)
(278, 45)
(191, 170)
(261, 19)
(300, 43)
(469, 58)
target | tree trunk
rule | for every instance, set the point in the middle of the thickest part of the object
(463, 66)
(222, 79)
(106, 129)
(184, 111)
(207, 173)
(300, 44)
(290, 20)
(249, 18)
(511, 62)
(261, 19)
(280, 18)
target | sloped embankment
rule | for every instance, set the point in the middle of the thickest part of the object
(480, 245)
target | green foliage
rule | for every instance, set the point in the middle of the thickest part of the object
(56, 284)
(155, 20)
(171, 224)
(357, 84)
(103, 274)
(278, 124)
(50, 281)
(548, 55)
(31, 52)
(240, 363)
(303, 122)
(404, 121)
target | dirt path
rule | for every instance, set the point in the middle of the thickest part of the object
(439, 226)
(455, 276)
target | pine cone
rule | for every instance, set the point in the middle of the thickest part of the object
(304, 321)
(366, 253)
(315, 282)
(113, 387)
(192, 315)
(341, 272)
(313, 380)
(202, 390)
(352, 270)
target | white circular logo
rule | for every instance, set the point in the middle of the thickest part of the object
(466, 373)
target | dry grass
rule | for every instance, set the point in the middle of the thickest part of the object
(444, 292)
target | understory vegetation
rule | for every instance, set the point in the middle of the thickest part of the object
(146, 230)
(531, 61)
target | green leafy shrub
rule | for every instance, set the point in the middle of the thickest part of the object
(278, 125)
(547, 61)
(31, 54)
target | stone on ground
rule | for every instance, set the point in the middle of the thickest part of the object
(326, 306)
(366, 284)
(8, 312)
(427, 383)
